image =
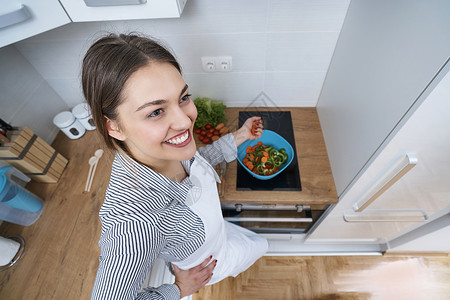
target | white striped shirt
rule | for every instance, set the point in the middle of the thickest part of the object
(144, 217)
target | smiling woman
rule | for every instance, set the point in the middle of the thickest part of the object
(162, 198)
(151, 129)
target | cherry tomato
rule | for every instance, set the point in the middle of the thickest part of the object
(203, 132)
(253, 130)
(198, 130)
(209, 134)
(207, 126)
(201, 137)
(206, 140)
(216, 132)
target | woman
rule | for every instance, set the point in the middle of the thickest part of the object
(162, 199)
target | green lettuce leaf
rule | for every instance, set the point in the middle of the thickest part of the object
(209, 112)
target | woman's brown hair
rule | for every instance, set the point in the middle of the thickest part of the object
(107, 65)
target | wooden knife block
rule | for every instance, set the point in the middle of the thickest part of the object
(32, 156)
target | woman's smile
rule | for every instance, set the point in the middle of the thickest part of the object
(180, 140)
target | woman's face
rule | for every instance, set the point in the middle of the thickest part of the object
(157, 116)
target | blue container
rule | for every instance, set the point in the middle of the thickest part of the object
(268, 138)
(17, 204)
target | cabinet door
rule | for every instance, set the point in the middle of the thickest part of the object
(34, 17)
(151, 9)
(419, 194)
(387, 53)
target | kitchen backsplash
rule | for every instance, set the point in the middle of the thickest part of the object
(281, 50)
(26, 98)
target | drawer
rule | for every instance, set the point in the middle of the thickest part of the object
(272, 218)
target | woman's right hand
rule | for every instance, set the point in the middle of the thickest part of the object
(191, 280)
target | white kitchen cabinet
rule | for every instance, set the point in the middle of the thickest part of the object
(435, 241)
(151, 9)
(386, 55)
(389, 58)
(418, 196)
(33, 17)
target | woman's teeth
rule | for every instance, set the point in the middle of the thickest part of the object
(179, 140)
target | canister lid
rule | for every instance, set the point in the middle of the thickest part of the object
(81, 111)
(64, 119)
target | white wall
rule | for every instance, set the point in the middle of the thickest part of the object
(26, 99)
(281, 48)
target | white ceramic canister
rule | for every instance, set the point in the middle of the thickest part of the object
(68, 124)
(83, 114)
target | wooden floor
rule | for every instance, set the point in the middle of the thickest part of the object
(61, 254)
(338, 277)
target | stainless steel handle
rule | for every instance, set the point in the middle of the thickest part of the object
(18, 16)
(18, 254)
(98, 3)
(272, 207)
(382, 215)
(262, 219)
(393, 175)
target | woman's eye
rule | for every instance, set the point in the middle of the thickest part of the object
(155, 113)
(185, 98)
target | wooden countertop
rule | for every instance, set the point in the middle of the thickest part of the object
(318, 188)
(61, 253)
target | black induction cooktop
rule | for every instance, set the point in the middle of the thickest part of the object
(289, 180)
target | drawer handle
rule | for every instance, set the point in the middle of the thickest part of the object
(274, 207)
(380, 215)
(252, 219)
(98, 3)
(394, 174)
(17, 16)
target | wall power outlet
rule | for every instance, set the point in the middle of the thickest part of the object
(217, 63)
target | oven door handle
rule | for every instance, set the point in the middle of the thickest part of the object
(254, 219)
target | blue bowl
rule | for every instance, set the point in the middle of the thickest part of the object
(268, 138)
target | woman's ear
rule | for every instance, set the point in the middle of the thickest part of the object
(113, 130)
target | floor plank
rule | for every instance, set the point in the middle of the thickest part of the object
(338, 277)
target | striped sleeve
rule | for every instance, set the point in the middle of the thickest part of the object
(222, 149)
(128, 249)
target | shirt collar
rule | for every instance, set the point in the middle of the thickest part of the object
(154, 180)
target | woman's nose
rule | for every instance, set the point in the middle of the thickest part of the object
(180, 120)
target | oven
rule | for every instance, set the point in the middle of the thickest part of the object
(272, 218)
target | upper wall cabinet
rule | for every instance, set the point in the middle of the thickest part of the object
(108, 10)
(20, 19)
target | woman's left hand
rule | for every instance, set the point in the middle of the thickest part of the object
(245, 132)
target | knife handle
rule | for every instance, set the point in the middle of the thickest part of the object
(4, 139)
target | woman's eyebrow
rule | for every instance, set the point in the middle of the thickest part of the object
(159, 102)
(184, 90)
(155, 102)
